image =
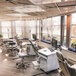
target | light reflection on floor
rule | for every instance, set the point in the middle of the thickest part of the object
(8, 67)
(0, 50)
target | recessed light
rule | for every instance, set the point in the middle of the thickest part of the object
(5, 60)
(0, 50)
(6, 54)
(17, 15)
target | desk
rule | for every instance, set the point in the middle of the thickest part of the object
(27, 43)
(30, 49)
(48, 60)
(43, 45)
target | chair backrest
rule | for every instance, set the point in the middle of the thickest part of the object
(64, 67)
(34, 47)
(17, 40)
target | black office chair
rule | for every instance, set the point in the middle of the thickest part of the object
(65, 68)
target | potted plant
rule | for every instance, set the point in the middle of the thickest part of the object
(1, 36)
(74, 44)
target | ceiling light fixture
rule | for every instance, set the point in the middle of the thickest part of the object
(17, 15)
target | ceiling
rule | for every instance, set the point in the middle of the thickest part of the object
(35, 9)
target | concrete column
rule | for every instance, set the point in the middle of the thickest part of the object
(62, 29)
(11, 28)
(40, 29)
(36, 28)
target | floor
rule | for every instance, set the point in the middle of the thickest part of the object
(8, 67)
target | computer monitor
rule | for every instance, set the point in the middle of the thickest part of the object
(54, 43)
(34, 36)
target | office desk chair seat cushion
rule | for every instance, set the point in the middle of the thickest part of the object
(7, 41)
(12, 43)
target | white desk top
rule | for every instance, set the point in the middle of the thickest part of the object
(26, 43)
(46, 51)
(22, 54)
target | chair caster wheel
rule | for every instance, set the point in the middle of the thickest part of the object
(62, 74)
(20, 65)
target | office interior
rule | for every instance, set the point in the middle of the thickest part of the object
(37, 37)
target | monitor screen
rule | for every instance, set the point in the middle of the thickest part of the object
(54, 42)
(34, 36)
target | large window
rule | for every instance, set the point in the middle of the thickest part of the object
(65, 28)
(46, 29)
(32, 28)
(6, 29)
(51, 28)
(19, 25)
(56, 27)
(73, 31)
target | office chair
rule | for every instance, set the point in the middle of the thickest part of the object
(13, 50)
(21, 55)
(22, 63)
(36, 48)
(18, 41)
(65, 68)
(10, 47)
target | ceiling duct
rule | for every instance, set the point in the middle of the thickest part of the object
(23, 2)
(10, 1)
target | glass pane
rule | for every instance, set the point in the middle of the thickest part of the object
(51, 28)
(73, 31)
(6, 29)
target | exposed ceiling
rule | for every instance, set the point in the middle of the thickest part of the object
(35, 9)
